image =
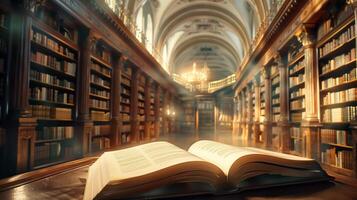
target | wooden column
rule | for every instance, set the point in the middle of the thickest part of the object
(157, 111)
(84, 123)
(283, 123)
(21, 128)
(118, 63)
(310, 122)
(239, 121)
(148, 84)
(134, 105)
(256, 83)
(267, 134)
(244, 114)
(250, 112)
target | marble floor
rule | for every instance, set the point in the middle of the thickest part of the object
(70, 185)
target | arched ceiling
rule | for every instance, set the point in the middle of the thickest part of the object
(218, 32)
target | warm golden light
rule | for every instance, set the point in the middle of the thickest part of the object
(194, 75)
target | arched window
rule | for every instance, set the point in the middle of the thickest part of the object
(149, 33)
(139, 24)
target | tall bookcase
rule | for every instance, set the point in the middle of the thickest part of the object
(101, 73)
(338, 93)
(189, 115)
(275, 103)
(296, 73)
(53, 78)
(125, 103)
(262, 108)
(141, 105)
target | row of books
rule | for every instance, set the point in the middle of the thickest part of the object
(141, 118)
(99, 115)
(275, 80)
(276, 110)
(99, 104)
(99, 68)
(104, 55)
(297, 67)
(340, 97)
(141, 97)
(334, 157)
(48, 112)
(53, 62)
(298, 104)
(99, 81)
(127, 71)
(339, 61)
(48, 94)
(55, 133)
(125, 81)
(125, 91)
(141, 104)
(124, 108)
(141, 111)
(126, 128)
(276, 91)
(125, 138)
(125, 100)
(50, 43)
(334, 81)
(343, 38)
(295, 132)
(329, 24)
(141, 89)
(101, 130)
(46, 152)
(296, 80)
(51, 79)
(125, 117)
(345, 114)
(101, 143)
(336, 137)
(297, 93)
(102, 93)
(297, 117)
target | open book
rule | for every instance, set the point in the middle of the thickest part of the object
(162, 170)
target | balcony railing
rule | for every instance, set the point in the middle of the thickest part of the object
(216, 85)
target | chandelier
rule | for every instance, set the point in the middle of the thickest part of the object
(196, 76)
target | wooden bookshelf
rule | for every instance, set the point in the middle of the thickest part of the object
(100, 83)
(151, 115)
(53, 79)
(189, 115)
(141, 105)
(262, 108)
(125, 104)
(275, 93)
(338, 94)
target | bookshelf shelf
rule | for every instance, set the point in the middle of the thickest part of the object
(50, 70)
(297, 86)
(342, 104)
(335, 31)
(339, 70)
(339, 49)
(57, 87)
(49, 51)
(342, 86)
(50, 103)
(299, 56)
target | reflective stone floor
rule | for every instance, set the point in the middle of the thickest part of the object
(70, 185)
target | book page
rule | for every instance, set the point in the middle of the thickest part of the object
(223, 155)
(133, 162)
(144, 159)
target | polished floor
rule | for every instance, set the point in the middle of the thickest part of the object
(70, 185)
